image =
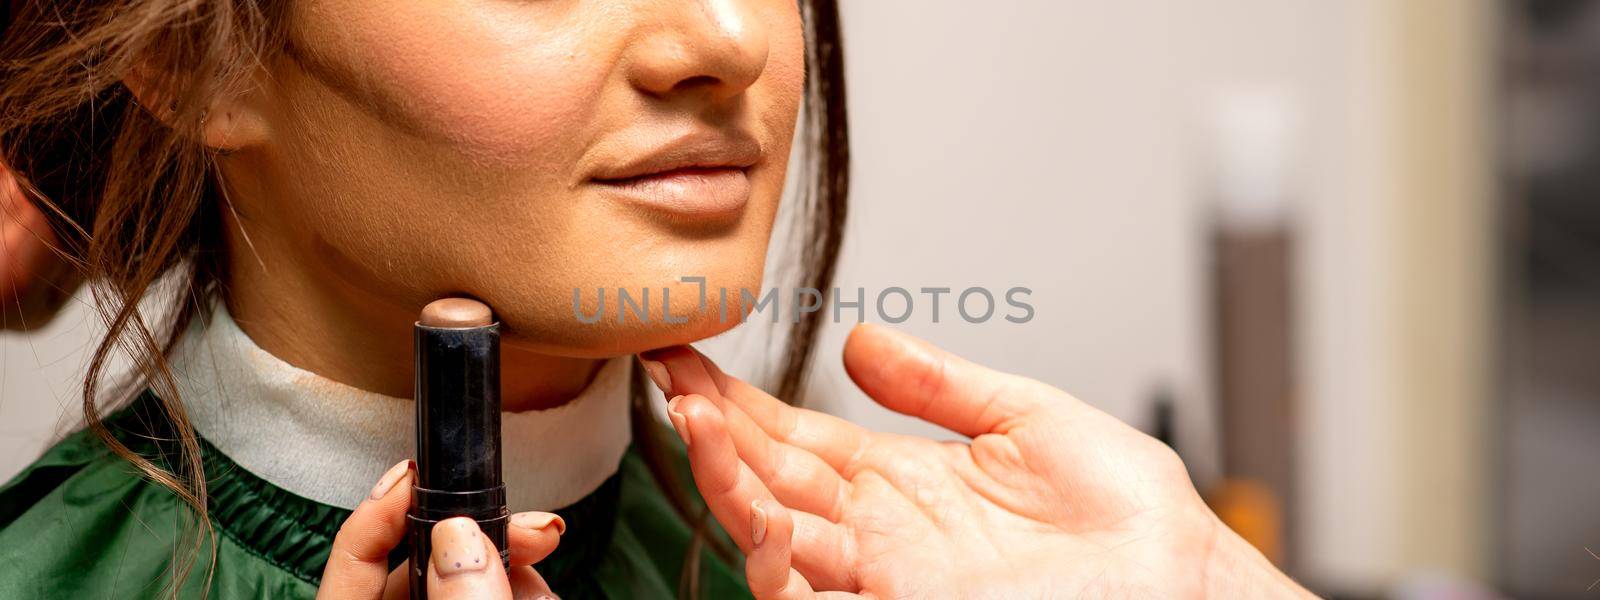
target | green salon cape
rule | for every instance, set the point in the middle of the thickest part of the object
(82, 522)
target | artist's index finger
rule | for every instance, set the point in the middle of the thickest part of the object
(684, 371)
(914, 378)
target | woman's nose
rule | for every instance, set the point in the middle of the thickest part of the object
(715, 47)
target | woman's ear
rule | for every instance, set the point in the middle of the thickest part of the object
(232, 120)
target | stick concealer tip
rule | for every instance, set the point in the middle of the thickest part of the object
(456, 313)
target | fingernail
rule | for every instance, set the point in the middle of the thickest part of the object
(539, 520)
(391, 478)
(679, 422)
(458, 547)
(758, 523)
(546, 597)
(658, 374)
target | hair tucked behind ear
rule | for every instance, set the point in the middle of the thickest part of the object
(132, 197)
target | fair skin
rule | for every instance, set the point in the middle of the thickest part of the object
(515, 151)
(1048, 497)
(358, 564)
(404, 151)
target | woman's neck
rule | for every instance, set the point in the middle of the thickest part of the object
(353, 337)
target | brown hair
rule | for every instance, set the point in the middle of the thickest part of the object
(135, 200)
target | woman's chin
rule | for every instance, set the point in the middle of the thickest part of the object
(613, 337)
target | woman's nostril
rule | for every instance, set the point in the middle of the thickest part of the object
(697, 81)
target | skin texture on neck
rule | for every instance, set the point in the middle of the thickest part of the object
(319, 321)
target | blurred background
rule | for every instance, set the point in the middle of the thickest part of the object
(1344, 255)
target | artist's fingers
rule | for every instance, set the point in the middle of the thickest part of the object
(834, 440)
(727, 485)
(912, 377)
(399, 583)
(825, 554)
(668, 369)
(358, 564)
(797, 478)
(465, 564)
(768, 570)
(684, 371)
(533, 535)
(528, 584)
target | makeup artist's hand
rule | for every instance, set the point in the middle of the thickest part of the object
(465, 564)
(1050, 497)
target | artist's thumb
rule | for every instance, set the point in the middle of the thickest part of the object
(465, 564)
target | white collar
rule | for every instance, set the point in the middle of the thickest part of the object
(330, 442)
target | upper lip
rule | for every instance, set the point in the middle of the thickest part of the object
(691, 151)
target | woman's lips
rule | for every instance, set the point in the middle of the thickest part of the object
(697, 175)
(691, 192)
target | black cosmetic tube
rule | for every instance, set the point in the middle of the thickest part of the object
(458, 439)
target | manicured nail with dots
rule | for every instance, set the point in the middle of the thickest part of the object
(458, 547)
(391, 478)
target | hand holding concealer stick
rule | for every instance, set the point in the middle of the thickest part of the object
(458, 428)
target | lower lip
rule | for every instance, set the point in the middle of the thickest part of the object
(697, 192)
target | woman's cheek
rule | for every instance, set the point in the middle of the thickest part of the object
(501, 116)
(501, 93)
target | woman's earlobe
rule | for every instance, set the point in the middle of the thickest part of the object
(229, 127)
(229, 124)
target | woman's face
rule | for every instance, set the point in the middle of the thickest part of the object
(517, 150)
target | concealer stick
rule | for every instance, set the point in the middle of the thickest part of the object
(458, 428)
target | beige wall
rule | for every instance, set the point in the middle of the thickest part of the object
(1055, 144)
(1442, 203)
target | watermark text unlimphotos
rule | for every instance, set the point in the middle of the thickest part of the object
(892, 304)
